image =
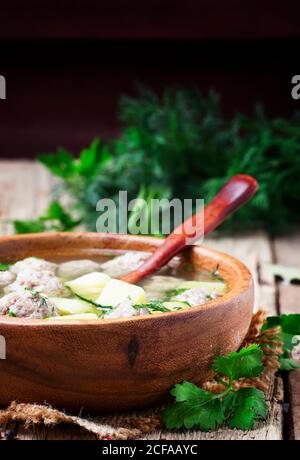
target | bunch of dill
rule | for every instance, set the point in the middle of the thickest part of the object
(180, 145)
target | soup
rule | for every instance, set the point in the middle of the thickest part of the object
(90, 289)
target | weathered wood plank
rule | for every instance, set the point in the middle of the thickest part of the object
(269, 430)
(287, 252)
(25, 188)
(255, 251)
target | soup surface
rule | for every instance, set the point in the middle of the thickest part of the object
(90, 289)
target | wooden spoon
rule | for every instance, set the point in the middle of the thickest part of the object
(236, 192)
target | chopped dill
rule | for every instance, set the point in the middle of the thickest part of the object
(215, 276)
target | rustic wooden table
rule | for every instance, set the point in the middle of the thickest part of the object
(25, 189)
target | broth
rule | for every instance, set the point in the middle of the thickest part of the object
(90, 289)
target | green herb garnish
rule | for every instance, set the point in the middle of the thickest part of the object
(4, 267)
(33, 292)
(55, 219)
(237, 408)
(12, 314)
(154, 305)
(43, 302)
(95, 304)
(187, 129)
(37, 295)
(290, 329)
(215, 276)
(173, 293)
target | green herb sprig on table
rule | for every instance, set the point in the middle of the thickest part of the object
(55, 219)
(238, 408)
(234, 407)
(290, 329)
(180, 145)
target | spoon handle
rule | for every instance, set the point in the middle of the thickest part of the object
(236, 192)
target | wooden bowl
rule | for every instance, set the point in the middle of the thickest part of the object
(120, 363)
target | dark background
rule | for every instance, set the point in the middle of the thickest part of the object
(67, 62)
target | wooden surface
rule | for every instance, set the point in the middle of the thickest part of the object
(25, 192)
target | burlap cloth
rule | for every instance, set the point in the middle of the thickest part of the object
(147, 423)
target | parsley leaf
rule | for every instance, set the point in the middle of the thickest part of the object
(91, 158)
(245, 363)
(28, 226)
(61, 163)
(290, 329)
(247, 406)
(67, 166)
(237, 408)
(57, 212)
(288, 364)
(55, 219)
(194, 406)
(290, 324)
(240, 408)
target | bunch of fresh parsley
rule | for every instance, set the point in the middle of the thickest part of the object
(236, 408)
(180, 145)
(290, 330)
(54, 219)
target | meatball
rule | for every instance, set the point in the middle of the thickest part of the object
(125, 310)
(26, 304)
(42, 281)
(197, 296)
(124, 264)
(6, 278)
(34, 264)
(157, 285)
(76, 268)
